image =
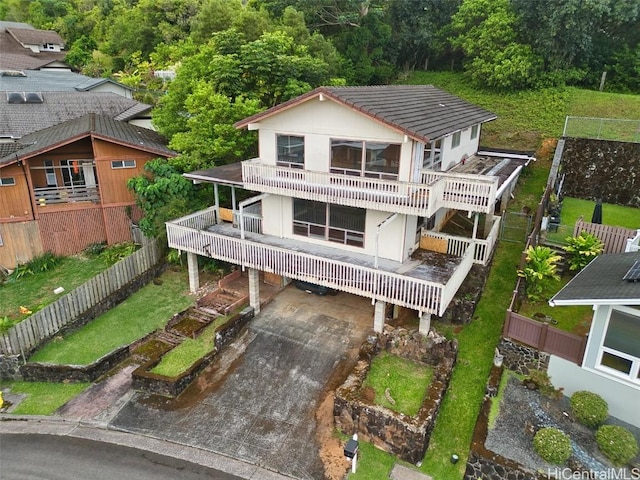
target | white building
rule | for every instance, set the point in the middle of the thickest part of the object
(611, 362)
(355, 184)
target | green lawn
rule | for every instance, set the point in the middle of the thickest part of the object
(574, 208)
(36, 291)
(43, 398)
(143, 312)
(407, 382)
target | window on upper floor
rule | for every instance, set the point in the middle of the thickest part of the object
(474, 132)
(432, 156)
(123, 164)
(455, 140)
(620, 351)
(334, 223)
(367, 159)
(290, 151)
(7, 182)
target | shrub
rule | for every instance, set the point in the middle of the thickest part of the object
(41, 263)
(539, 270)
(117, 252)
(617, 443)
(552, 445)
(542, 381)
(589, 408)
(582, 249)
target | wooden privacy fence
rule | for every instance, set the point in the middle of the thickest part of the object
(544, 337)
(614, 238)
(46, 323)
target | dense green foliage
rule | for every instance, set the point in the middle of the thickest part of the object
(539, 270)
(582, 249)
(552, 445)
(589, 408)
(617, 443)
(506, 44)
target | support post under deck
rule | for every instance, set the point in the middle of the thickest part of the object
(254, 289)
(378, 316)
(194, 278)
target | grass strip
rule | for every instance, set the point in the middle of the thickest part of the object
(190, 350)
(43, 398)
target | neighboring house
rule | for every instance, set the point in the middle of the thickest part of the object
(611, 362)
(22, 113)
(23, 47)
(58, 81)
(65, 187)
(352, 182)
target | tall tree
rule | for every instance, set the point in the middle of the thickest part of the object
(485, 30)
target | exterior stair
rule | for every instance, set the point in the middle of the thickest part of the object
(169, 338)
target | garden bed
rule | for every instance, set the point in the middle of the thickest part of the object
(357, 411)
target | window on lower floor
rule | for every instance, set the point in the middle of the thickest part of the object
(123, 164)
(620, 349)
(7, 182)
(334, 223)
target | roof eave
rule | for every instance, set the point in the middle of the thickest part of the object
(594, 301)
(168, 153)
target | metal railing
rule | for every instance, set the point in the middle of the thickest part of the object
(602, 128)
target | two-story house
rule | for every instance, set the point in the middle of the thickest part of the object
(352, 181)
(64, 187)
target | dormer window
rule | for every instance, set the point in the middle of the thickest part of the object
(48, 46)
(366, 159)
(290, 151)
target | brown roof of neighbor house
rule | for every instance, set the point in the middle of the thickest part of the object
(97, 127)
(28, 36)
(422, 112)
(19, 119)
(13, 56)
(602, 283)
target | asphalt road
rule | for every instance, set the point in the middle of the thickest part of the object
(49, 457)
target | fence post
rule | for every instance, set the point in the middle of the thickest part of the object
(583, 348)
(543, 337)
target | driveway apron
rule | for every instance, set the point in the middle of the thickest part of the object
(258, 403)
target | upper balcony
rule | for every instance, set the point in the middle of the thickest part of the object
(71, 194)
(437, 190)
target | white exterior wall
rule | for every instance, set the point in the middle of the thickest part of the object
(109, 87)
(277, 220)
(319, 122)
(623, 400)
(452, 156)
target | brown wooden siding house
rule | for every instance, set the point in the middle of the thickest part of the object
(65, 187)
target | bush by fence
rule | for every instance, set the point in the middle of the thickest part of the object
(27, 335)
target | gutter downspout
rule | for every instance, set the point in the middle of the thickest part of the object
(511, 178)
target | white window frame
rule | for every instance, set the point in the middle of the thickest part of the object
(455, 139)
(286, 163)
(7, 181)
(634, 373)
(474, 132)
(118, 164)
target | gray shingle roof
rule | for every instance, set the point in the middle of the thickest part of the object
(14, 56)
(96, 126)
(17, 120)
(32, 36)
(51, 81)
(423, 112)
(601, 283)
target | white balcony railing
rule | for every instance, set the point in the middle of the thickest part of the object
(457, 245)
(463, 192)
(254, 252)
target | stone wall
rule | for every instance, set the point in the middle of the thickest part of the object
(521, 358)
(145, 380)
(45, 372)
(10, 367)
(463, 305)
(603, 169)
(404, 436)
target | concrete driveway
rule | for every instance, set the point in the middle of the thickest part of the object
(258, 402)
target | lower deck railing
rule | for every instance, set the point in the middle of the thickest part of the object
(410, 292)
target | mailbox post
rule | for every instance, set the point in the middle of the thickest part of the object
(351, 451)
